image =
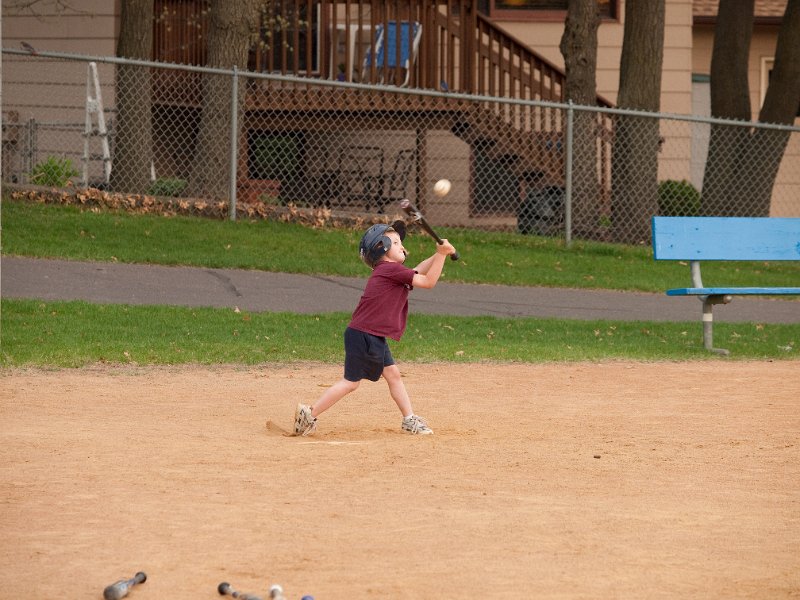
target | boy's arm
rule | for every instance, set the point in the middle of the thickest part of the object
(423, 267)
(429, 270)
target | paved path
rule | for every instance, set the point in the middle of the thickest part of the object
(260, 291)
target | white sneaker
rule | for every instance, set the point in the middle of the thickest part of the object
(416, 425)
(304, 423)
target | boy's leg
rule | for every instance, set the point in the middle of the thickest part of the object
(411, 423)
(332, 395)
(305, 417)
(398, 389)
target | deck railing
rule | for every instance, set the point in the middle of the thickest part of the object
(459, 49)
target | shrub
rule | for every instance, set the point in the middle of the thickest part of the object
(170, 187)
(53, 172)
(678, 199)
(273, 156)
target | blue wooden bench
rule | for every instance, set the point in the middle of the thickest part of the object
(695, 239)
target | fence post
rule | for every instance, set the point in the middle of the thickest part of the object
(234, 139)
(568, 177)
(31, 148)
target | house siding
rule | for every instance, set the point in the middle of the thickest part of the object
(762, 45)
(87, 27)
(676, 95)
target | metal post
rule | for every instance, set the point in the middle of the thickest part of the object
(708, 325)
(708, 322)
(568, 177)
(234, 139)
(31, 146)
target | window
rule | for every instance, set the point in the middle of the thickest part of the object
(532, 9)
(766, 74)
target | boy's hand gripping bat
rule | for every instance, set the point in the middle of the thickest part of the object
(413, 212)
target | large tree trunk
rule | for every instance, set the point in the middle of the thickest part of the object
(780, 106)
(730, 99)
(133, 128)
(579, 49)
(232, 24)
(634, 170)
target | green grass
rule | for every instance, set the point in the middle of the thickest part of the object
(499, 258)
(74, 334)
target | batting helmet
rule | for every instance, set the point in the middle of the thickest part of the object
(375, 243)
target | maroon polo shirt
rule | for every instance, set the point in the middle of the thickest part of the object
(383, 308)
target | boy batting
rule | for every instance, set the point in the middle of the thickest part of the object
(381, 313)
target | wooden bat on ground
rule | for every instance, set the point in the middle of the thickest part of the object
(120, 589)
(413, 212)
(225, 588)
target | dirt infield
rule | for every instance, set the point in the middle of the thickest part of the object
(589, 480)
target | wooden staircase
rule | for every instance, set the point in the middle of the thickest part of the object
(527, 138)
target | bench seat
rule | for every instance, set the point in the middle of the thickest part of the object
(735, 291)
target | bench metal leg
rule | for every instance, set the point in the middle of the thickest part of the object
(708, 322)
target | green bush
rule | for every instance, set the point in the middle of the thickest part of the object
(273, 156)
(171, 187)
(53, 172)
(678, 199)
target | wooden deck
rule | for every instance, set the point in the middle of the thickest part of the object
(459, 50)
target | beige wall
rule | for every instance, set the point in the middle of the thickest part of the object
(762, 46)
(676, 84)
(53, 92)
(86, 27)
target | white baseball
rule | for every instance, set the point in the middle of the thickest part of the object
(442, 187)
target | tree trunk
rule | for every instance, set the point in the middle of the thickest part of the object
(579, 49)
(730, 99)
(780, 106)
(229, 37)
(634, 169)
(133, 128)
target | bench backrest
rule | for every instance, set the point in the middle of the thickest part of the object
(726, 238)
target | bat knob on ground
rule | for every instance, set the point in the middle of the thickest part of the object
(225, 588)
(276, 592)
(120, 589)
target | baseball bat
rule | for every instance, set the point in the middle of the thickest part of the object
(413, 212)
(120, 589)
(225, 588)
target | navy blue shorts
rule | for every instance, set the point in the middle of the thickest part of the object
(365, 355)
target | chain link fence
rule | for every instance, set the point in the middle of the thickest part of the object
(536, 168)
